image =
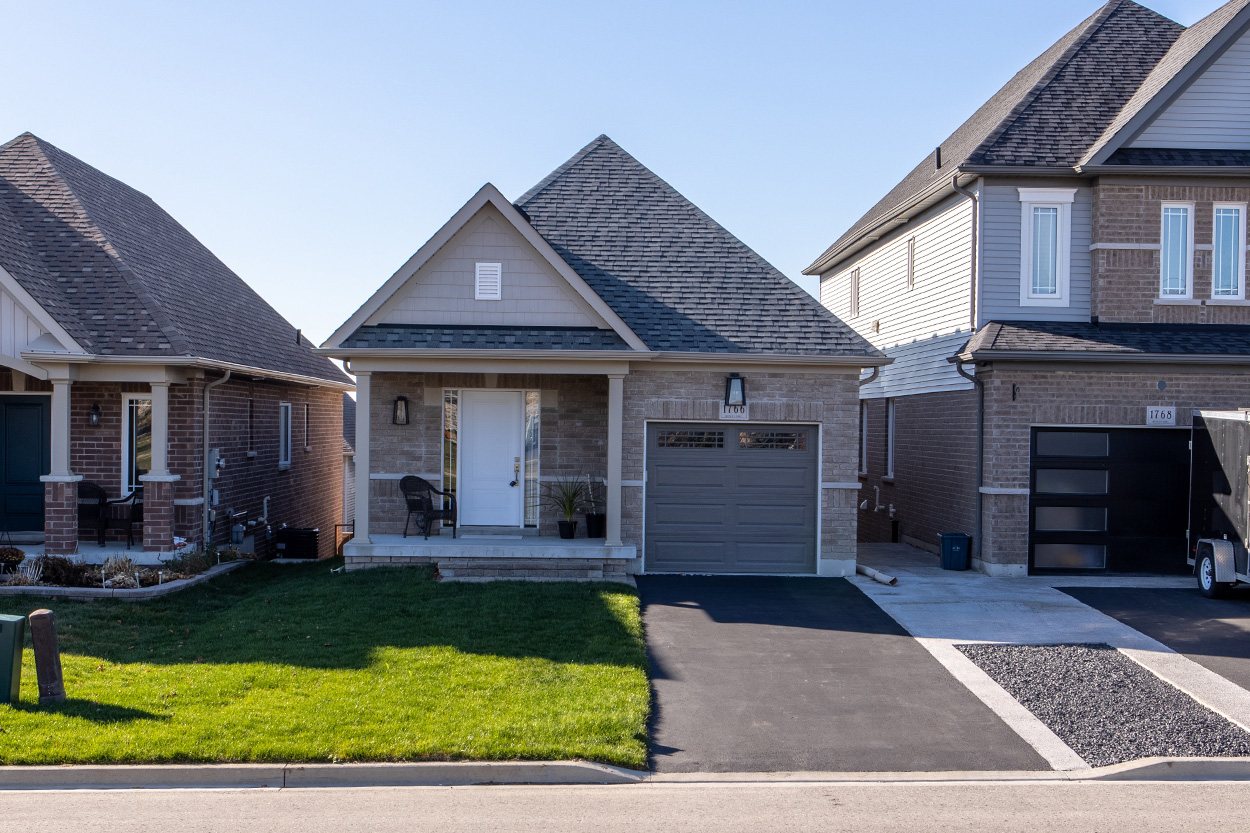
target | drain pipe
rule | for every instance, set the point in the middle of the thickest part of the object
(872, 377)
(208, 482)
(980, 386)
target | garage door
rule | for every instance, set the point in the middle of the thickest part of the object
(731, 498)
(1109, 499)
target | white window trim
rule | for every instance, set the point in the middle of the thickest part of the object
(889, 437)
(284, 407)
(1062, 199)
(1189, 251)
(127, 398)
(853, 312)
(911, 262)
(493, 290)
(862, 463)
(1240, 294)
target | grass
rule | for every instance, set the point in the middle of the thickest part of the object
(291, 663)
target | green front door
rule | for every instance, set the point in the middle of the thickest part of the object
(25, 454)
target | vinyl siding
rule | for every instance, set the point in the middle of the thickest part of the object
(1000, 256)
(1214, 112)
(442, 291)
(17, 329)
(916, 325)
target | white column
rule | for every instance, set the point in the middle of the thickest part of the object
(362, 456)
(616, 432)
(160, 429)
(60, 428)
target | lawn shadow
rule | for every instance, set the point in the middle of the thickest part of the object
(90, 710)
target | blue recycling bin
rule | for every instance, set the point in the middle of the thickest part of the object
(12, 641)
(956, 550)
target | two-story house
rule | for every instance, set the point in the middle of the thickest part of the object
(1059, 284)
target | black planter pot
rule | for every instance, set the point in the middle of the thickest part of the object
(596, 525)
(568, 529)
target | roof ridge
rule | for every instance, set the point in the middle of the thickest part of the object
(132, 277)
(542, 184)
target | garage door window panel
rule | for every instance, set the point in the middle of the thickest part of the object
(1071, 482)
(691, 439)
(1070, 556)
(1070, 519)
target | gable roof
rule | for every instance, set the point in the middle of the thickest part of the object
(678, 279)
(1046, 116)
(124, 278)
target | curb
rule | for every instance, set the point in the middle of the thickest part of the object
(134, 594)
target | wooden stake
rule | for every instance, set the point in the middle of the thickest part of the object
(47, 657)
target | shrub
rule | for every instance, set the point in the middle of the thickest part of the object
(64, 572)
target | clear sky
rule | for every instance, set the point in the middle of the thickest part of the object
(314, 146)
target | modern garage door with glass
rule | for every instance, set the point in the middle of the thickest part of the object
(1108, 499)
(731, 498)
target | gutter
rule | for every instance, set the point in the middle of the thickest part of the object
(208, 510)
(186, 361)
(980, 512)
(1092, 357)
(356, 353)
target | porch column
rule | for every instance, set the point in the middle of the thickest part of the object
(158, 483)
(160, 428)
(616, 432)
(362, 456)
(60, 427)
(60, 486)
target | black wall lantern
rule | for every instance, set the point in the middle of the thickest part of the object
(735, 390)
(400, 416)
(93, 416)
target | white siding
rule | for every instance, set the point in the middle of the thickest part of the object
(17, 329)
(916, 325)
(1214, 112)
(442, 291)
(1000, 256)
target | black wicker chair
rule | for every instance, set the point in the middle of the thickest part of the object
(92, 511)
(130, 516)
(419, 496)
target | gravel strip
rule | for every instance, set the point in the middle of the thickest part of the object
(1106, 707)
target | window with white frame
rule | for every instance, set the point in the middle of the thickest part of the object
(1045, 245)
(1176, 251)
(863, 436)
(889, 438)
(136, 439)
(1228, 251)
(854, 310)
(284, 434)
(911, 262)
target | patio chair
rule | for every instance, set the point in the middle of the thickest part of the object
(92, 500)
(419, 496)
(130, 516)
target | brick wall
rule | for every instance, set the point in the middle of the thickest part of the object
(1126, 281)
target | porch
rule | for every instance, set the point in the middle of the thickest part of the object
(500, 556)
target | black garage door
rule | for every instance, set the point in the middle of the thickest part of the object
(1109, 499)
(731, 498)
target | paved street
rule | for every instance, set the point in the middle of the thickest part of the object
(671, 808)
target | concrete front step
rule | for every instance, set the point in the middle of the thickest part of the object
(477, 559)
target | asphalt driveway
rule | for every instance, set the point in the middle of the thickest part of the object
(1215, 633)
(763, 674)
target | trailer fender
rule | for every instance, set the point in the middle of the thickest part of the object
(1223, 554)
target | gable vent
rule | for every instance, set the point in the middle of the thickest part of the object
(489, 285)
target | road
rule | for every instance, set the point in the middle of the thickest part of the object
(721, 807)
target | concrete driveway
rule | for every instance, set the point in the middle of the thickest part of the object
(762, 674)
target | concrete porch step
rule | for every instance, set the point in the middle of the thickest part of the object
(521, 557)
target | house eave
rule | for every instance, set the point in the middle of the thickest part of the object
(185, 362)
(1167, 170)
(504, 357)
(1099, 357)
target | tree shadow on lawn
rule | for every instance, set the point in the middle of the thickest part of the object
(302, 615)
(89, 710)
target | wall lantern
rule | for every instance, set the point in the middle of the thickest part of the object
(93, 416)
(400, 416)
(735, 390)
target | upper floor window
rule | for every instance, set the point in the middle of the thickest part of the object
(1045, 245)
(284, 434)
(1228, 255)
(854, 289)
(1176, 251)
(911, 262)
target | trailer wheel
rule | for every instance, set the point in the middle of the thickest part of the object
(1207, 585)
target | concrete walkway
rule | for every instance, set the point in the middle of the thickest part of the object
(943, 608)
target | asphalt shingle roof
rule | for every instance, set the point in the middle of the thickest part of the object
(1180, 156)
(1111, 339)
(124, 278)
(677, 278)
(485, 338)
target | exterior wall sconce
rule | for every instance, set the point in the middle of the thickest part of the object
(735, 390)
(400, 417)
(93, 416)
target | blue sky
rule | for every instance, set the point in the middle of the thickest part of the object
(314, 146)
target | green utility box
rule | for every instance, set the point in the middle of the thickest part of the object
(12, 640)
(956, 550)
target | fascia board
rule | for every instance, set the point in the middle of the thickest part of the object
(1079, 357)
(171, 362)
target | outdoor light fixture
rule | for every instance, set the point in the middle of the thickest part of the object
(93, 416)
(401, 411)
(735, 390)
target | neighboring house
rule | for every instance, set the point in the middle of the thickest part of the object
(117, 330)
(1071, 260)
(349, 459)
(591, 329)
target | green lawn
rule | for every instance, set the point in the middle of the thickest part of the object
(291, 663)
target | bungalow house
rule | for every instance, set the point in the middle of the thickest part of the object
(133, 360)
(602, 327)
(1060, 283)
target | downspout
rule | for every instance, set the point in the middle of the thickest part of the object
(976, 205)
(207, 477)
(980, 385)
(872, 377)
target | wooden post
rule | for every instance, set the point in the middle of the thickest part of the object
(47, 657)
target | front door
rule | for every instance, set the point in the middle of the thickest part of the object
(492, 429)
(25, 454)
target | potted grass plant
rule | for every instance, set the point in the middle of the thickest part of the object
(596, 521)
(565, 495)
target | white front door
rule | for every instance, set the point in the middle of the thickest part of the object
(492, 436)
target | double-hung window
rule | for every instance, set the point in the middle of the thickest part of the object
(1176, 251)
(1045, 245)
(1228, 255)
(889, 438)
(136, 439)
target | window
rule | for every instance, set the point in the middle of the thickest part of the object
(1045, 245)
(251, 428)
(1073, 444)
(773, 440)
(911, 262)
(136, 439)
(690, 439)
(489, 282)
(284, 434)
(1228, 256)
(863, 436)
(307, 436)
(1176, 251)
(1071, 482)
(889, 438)
(854, 312)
